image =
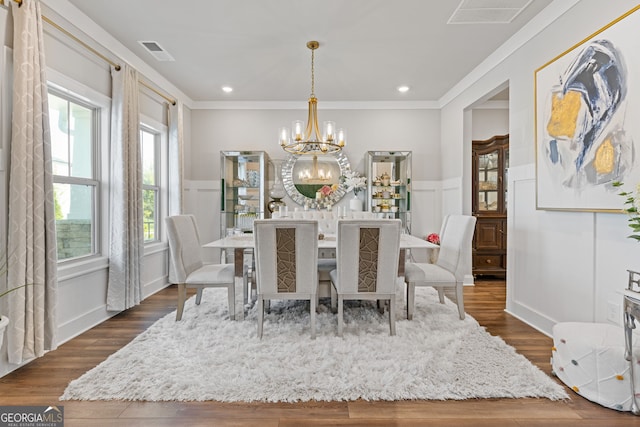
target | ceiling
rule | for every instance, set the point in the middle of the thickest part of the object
(367, 47)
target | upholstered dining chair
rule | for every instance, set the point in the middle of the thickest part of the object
(286, 253)
(453, 262)
(367, 264)
(188, 270)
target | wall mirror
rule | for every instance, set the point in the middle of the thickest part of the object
(304, 176)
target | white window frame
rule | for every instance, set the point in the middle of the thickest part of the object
(62, 84)
(161, 132)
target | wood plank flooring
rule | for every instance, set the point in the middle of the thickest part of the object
(44, 380)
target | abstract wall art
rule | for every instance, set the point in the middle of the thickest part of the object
(588, 120)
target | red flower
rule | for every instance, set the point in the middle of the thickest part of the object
(433, 238)
(326, 190)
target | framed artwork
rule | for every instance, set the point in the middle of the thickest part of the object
(587, 120)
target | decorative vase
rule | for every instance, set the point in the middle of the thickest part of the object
(433, 255)
(277, 189)
(355, 204)
(4, 322)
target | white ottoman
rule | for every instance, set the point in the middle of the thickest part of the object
(589, 358)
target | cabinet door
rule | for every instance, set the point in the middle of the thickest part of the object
(389, 185)
(243, 181)
(490, 165)
(489, 234)
(487, 182)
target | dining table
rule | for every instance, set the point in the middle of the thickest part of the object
(243, 244)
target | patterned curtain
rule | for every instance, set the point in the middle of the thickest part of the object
(126, 235)
(31, 244)
(175, 158)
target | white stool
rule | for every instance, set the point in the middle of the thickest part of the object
(589, 358)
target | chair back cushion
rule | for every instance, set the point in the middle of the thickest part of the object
(184, 247)
(456, 237)
(367, 255)
(286, 255)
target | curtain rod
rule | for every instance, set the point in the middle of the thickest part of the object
(153, 89)
(95, 52)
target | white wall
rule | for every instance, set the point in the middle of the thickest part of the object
(412, 130)
(562, 265)
(487, 123)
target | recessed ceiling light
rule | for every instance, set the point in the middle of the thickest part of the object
(227, 89)
(403, 88)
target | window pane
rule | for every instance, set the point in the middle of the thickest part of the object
(71, 137)
(148, 158)
(73, 209)
(58, 122)
(149, 213)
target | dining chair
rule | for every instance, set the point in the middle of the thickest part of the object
(187, 269)
(449, 270)
(367, 264)
(286, 253)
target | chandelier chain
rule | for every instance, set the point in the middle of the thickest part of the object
(313, 76)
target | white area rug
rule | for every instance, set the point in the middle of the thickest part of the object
(205, 356)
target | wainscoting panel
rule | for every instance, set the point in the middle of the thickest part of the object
(426, 212)
(550, 274)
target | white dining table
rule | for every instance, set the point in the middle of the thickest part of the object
(243, 242)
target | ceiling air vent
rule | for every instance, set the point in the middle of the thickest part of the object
(487, 11)
(157, 51)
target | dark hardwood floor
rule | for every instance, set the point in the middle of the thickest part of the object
(44, 380)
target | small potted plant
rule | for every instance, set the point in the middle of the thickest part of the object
(355, 182)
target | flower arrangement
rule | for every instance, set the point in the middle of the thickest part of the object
(632, 203)
(433, 238)
(326, 190)
(353, 181)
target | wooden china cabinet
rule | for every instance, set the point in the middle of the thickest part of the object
(489, 183)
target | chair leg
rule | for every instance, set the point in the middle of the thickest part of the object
(246, 286)
(411, 297)
(260, 315)
(182, 297)
(334, 299)
(460, 300)
(441, 294)
(392, 315)
(312, 310)
(231, 295)
(340, 315)
(199, 295)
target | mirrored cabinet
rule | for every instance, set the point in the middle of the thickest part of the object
(389, 185)
(243, 184)
(489, 204)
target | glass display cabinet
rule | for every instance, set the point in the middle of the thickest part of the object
(243, 183)
(489, 205)
(389, 185)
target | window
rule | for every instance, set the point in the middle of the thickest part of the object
(73, 124)
(150, 142)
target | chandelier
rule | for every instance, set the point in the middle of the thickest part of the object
(307, 140)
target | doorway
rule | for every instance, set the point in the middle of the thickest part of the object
(489, 162)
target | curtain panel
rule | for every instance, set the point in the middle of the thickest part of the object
(175, 158)
(124, 289)
(31, 240)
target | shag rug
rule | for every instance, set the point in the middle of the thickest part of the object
(206, 356)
